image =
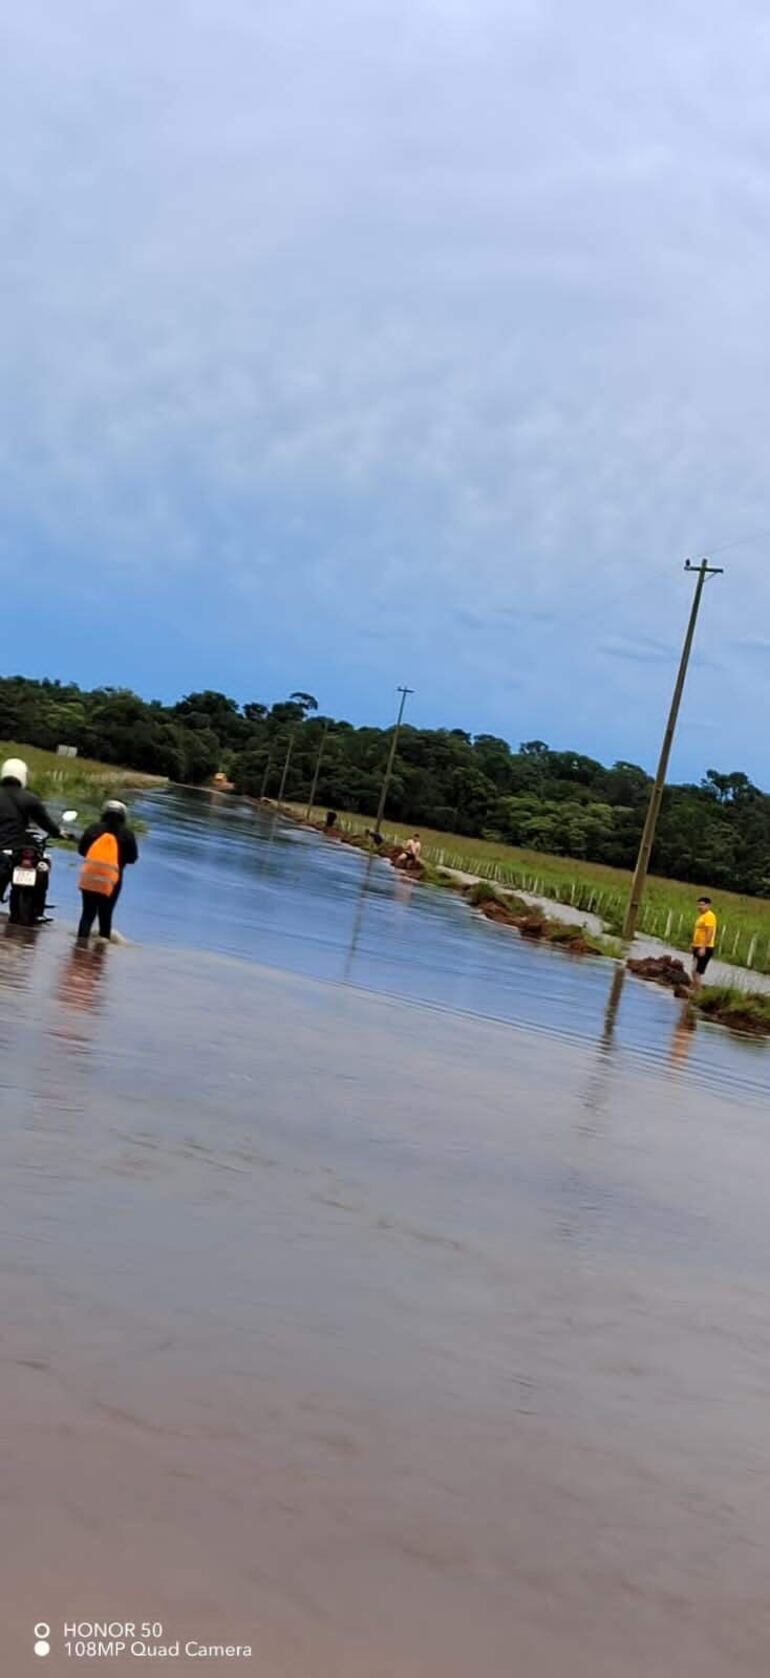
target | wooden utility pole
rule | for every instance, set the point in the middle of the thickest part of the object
(286, 762)
(317, 770)
(391, 758)
(266, 776)
(702, 571)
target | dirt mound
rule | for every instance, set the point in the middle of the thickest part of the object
(662, 970)
(529, 923)
(496, 911)
(329, 832)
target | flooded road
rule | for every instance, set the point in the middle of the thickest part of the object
(350, 1325)
(222, 876)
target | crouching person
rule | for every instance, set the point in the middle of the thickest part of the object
(107, 848)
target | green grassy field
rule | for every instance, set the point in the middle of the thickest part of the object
(668, 910)
(77, 783)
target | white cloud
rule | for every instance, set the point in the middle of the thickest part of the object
(392, 311)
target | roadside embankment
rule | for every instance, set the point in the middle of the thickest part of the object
(529, 917)
(579, 933)
(575, 884)
(728, 1005)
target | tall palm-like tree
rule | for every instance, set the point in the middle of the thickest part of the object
(306, 700)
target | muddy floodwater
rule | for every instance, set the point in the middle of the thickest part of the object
(380, 1292)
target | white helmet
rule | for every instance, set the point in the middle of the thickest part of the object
(14, 769)
(114, 807)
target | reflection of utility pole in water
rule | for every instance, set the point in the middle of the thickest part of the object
(317, 771)
(598, 1083)
(581, 1207)
(391, 758)
(264, 851)
(358, 917)
(702, 571)
(612, 1005)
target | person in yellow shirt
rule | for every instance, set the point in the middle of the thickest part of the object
(704, 939)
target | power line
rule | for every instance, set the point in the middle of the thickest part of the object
(740, 542)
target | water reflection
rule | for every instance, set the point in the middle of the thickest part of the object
(404, 886)
(683, 1036)
(80, 978)
(17, 949)
(358, 917)
(600, 1081)
(267, 833)
(580, 1201)
(80, 989)
(612, 1008)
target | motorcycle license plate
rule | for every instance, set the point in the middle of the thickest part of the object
(25, 876)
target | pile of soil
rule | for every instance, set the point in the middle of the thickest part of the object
(530, 923)
(331, 832)
(415, 869)
(571, 938)
(662, 970)
(496, 911)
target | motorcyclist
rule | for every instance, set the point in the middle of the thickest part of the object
(19, 810)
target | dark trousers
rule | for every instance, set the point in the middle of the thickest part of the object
(96, 904)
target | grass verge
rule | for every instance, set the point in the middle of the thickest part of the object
(80, 783)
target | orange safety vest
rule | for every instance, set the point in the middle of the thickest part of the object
(101, 866)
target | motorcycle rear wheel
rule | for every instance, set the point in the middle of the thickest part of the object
(22, 906)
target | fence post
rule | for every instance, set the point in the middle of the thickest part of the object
(752, 948)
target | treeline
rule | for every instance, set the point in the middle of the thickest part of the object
(558, 802)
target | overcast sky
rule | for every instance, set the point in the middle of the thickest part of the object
(346, 343)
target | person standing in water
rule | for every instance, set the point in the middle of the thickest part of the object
(704, 939)
(107, 847)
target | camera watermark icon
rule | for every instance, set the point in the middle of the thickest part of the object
(42, 1634)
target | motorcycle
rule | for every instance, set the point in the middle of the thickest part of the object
(29, 867)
